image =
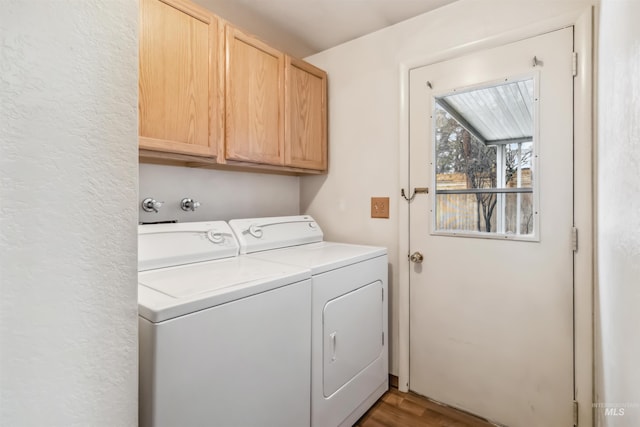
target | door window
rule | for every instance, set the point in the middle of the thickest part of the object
(484, 140)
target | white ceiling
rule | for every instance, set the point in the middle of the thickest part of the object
(305, 27)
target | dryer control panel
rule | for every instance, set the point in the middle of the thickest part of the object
(261, 234)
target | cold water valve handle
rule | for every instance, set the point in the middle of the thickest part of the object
(188, 204)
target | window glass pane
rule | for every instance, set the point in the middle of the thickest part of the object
(526, 214)
(518, 156)
(462, 161)
(484, 155)
(465, 212)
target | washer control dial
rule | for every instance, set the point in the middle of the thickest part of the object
(255, 231)
(215, 236)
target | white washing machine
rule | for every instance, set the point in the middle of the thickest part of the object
(224, 340)
(349, 361)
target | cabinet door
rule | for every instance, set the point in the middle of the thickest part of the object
(254, 100)
(305, 115)
(178, 78)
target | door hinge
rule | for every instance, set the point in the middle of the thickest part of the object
(574, 63)
(575, 412)
(383, 339)
(574, 239)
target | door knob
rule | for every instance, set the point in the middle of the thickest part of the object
(416, 257)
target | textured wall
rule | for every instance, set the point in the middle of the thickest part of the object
(364, 103)
(618, 291)
(223, 195)
(68, 184)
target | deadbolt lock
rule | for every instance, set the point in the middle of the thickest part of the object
(416, 257)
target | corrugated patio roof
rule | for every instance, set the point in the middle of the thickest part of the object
(499, 114)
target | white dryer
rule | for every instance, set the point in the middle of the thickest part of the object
(224, 340)
(349, 367)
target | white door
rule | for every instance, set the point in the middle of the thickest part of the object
(491, 304)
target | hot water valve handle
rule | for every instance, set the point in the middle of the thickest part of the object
(151, 205)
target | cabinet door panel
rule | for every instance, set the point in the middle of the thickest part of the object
(254, 101)
(177, 74)
(305, 116)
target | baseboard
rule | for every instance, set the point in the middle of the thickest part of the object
(393, 381)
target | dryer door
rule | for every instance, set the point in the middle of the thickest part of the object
(353, 335)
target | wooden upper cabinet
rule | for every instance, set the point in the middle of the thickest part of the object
(305, 115)
(212, 94)
(180, 109)
(254, 100)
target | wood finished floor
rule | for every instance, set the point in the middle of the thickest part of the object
(397, 409)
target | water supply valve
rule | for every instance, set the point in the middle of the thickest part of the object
(151, 205)
(188, 204)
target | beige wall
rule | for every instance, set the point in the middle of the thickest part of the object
(364, 116)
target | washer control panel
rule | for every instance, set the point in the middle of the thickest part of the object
(169, 245)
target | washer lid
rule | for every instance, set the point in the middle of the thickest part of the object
(260, 234)
(175, 291)
(165, 245)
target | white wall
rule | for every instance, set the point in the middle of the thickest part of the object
(223, 195)
(68, 183)
(618, 206)
(364, 111)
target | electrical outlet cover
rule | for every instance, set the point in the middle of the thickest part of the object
(379, 207)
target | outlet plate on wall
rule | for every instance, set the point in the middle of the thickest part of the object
(379, 207)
